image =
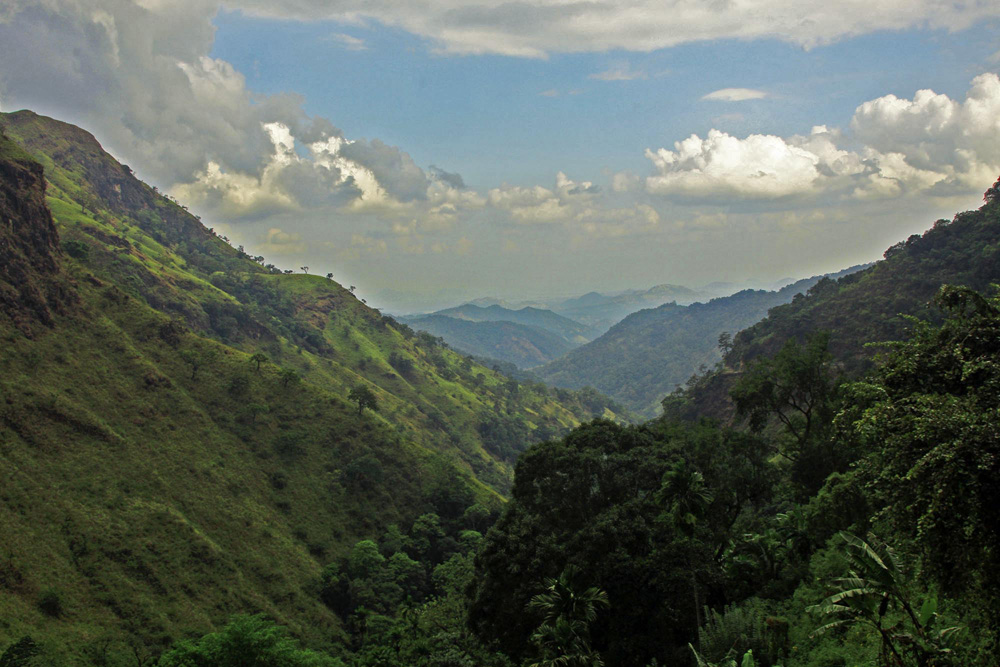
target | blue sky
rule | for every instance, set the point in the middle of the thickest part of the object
(532, 148)
(486, 116)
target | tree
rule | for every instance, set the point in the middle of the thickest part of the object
(684, 495)
(329, 276)
(565, 597)
(567, 610)
(259, 358)
(255, 410)
(797, 389)
(20, 653)
(289, 376)
(364, 397)
(197, 359)
(305, 269)
(793, 387)
(928, 418)
(245, 641)
(725, 342)
(874, 587)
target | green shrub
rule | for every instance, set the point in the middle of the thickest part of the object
(50, 602)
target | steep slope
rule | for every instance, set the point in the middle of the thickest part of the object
(573, 332)
(176, 439)
(524, 346)
(870, 305)
(28, 243)
(651, 352)
(154, 250)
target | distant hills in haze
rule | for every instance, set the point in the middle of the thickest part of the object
(525, 337)
(658, 336)
(652, 351)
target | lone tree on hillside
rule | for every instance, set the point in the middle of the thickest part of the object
(289, 376)
(259, 358)
(364, 397)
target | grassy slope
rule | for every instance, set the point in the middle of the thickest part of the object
(303, 322)
(157, 501)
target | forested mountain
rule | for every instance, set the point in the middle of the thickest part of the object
(573, 332)
(649, 353)
(871, 305)
(518, 344)
(598, 311)
(840, 519)
(187, 433)
(525, 337)
(602, 311)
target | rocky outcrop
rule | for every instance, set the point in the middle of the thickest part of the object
(30, 288)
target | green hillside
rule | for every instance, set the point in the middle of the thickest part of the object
(519, 344)
(649, 353)
(177, 438)
(572, 331)
(871, 305)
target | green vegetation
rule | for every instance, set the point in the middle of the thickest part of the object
(176, 437)
(193, 472)
(651, 352)
(522, 345)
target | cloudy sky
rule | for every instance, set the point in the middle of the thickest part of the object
(441, 149)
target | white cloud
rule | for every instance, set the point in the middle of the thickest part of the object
(760, 166)
(349, 42)
(735, 95)
(619, 72)
(535, 28)
(930, 144)
(958, 140)
(552, 92)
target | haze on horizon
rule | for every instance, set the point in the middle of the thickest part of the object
(531, 149)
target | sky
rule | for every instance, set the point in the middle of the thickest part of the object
(434, 151)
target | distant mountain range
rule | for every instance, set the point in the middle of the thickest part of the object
(601, 310)
(651, 352)
(569, 329)
(525, 337)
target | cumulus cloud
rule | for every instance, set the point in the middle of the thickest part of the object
(930, 144)
(139, 76)
(959, 140)
(578, 206)
(735, 95)
(759, 166)
(535, 28)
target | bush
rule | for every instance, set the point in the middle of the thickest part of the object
(50, 603)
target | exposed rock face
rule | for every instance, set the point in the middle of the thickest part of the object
(29, 244)
(115, 186)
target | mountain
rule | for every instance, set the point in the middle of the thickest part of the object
(519, 344)
(602, 311)
(649, 353)
(874, 304)
(571, 331)
(181, 433)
